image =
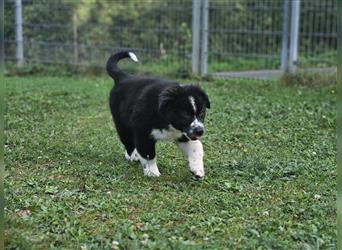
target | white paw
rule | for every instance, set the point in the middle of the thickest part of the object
(150, 167)
(197, 170)
(151, 172)
(198, 173)
(133, 157)
(127, 156)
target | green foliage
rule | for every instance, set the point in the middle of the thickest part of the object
(324, 59)
(161, 30)
(164, 68)
(270, 157)
(310, 79)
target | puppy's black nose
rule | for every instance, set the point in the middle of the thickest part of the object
(198, 131)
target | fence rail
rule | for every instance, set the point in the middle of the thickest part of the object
(241, 34)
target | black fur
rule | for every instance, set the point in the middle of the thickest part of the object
(140, 104)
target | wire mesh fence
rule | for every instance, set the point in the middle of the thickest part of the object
(242, 34)
(318, 33)
(245, 35)
(87, 32)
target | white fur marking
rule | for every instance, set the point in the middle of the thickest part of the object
(166, 134)
(127, 156)
(150, 166)
(193, 104)
(133, 56)
(196, 123)
(194, 152)
(133, 157)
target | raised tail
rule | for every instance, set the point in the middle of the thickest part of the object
(112, 68)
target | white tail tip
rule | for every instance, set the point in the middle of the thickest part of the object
(133, 56)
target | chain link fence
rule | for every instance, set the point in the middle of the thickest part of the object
(242, 34)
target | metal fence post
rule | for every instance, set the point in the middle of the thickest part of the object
(2, 37)
(294, 35)
(196, 14)
(75, 38)
(285, 38)
(19, 32)
(204, 37)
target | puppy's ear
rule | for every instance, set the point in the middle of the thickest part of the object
(206, 99)
(200, 92)
(168, 96)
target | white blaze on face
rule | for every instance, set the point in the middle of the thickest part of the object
(192, 102)
(196, 123)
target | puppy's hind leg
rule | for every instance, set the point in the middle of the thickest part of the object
(147, 155)
(127, 139)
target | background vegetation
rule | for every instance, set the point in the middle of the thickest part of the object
(243, 33)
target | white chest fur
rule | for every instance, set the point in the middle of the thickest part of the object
(166, 134)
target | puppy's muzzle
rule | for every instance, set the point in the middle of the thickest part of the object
(198, 131)
(195, 132)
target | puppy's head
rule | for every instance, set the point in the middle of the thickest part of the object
(184, 108)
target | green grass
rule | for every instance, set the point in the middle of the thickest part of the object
(270, 171)
(309, 79)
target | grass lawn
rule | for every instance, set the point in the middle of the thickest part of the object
(270, 171)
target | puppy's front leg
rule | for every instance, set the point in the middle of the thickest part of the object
(194, 152)
(147, 155)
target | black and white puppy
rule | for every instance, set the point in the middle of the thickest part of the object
(146, 109)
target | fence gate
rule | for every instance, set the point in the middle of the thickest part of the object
(263, 38)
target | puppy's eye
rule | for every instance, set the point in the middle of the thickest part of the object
(201, 113)
(184, 114)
